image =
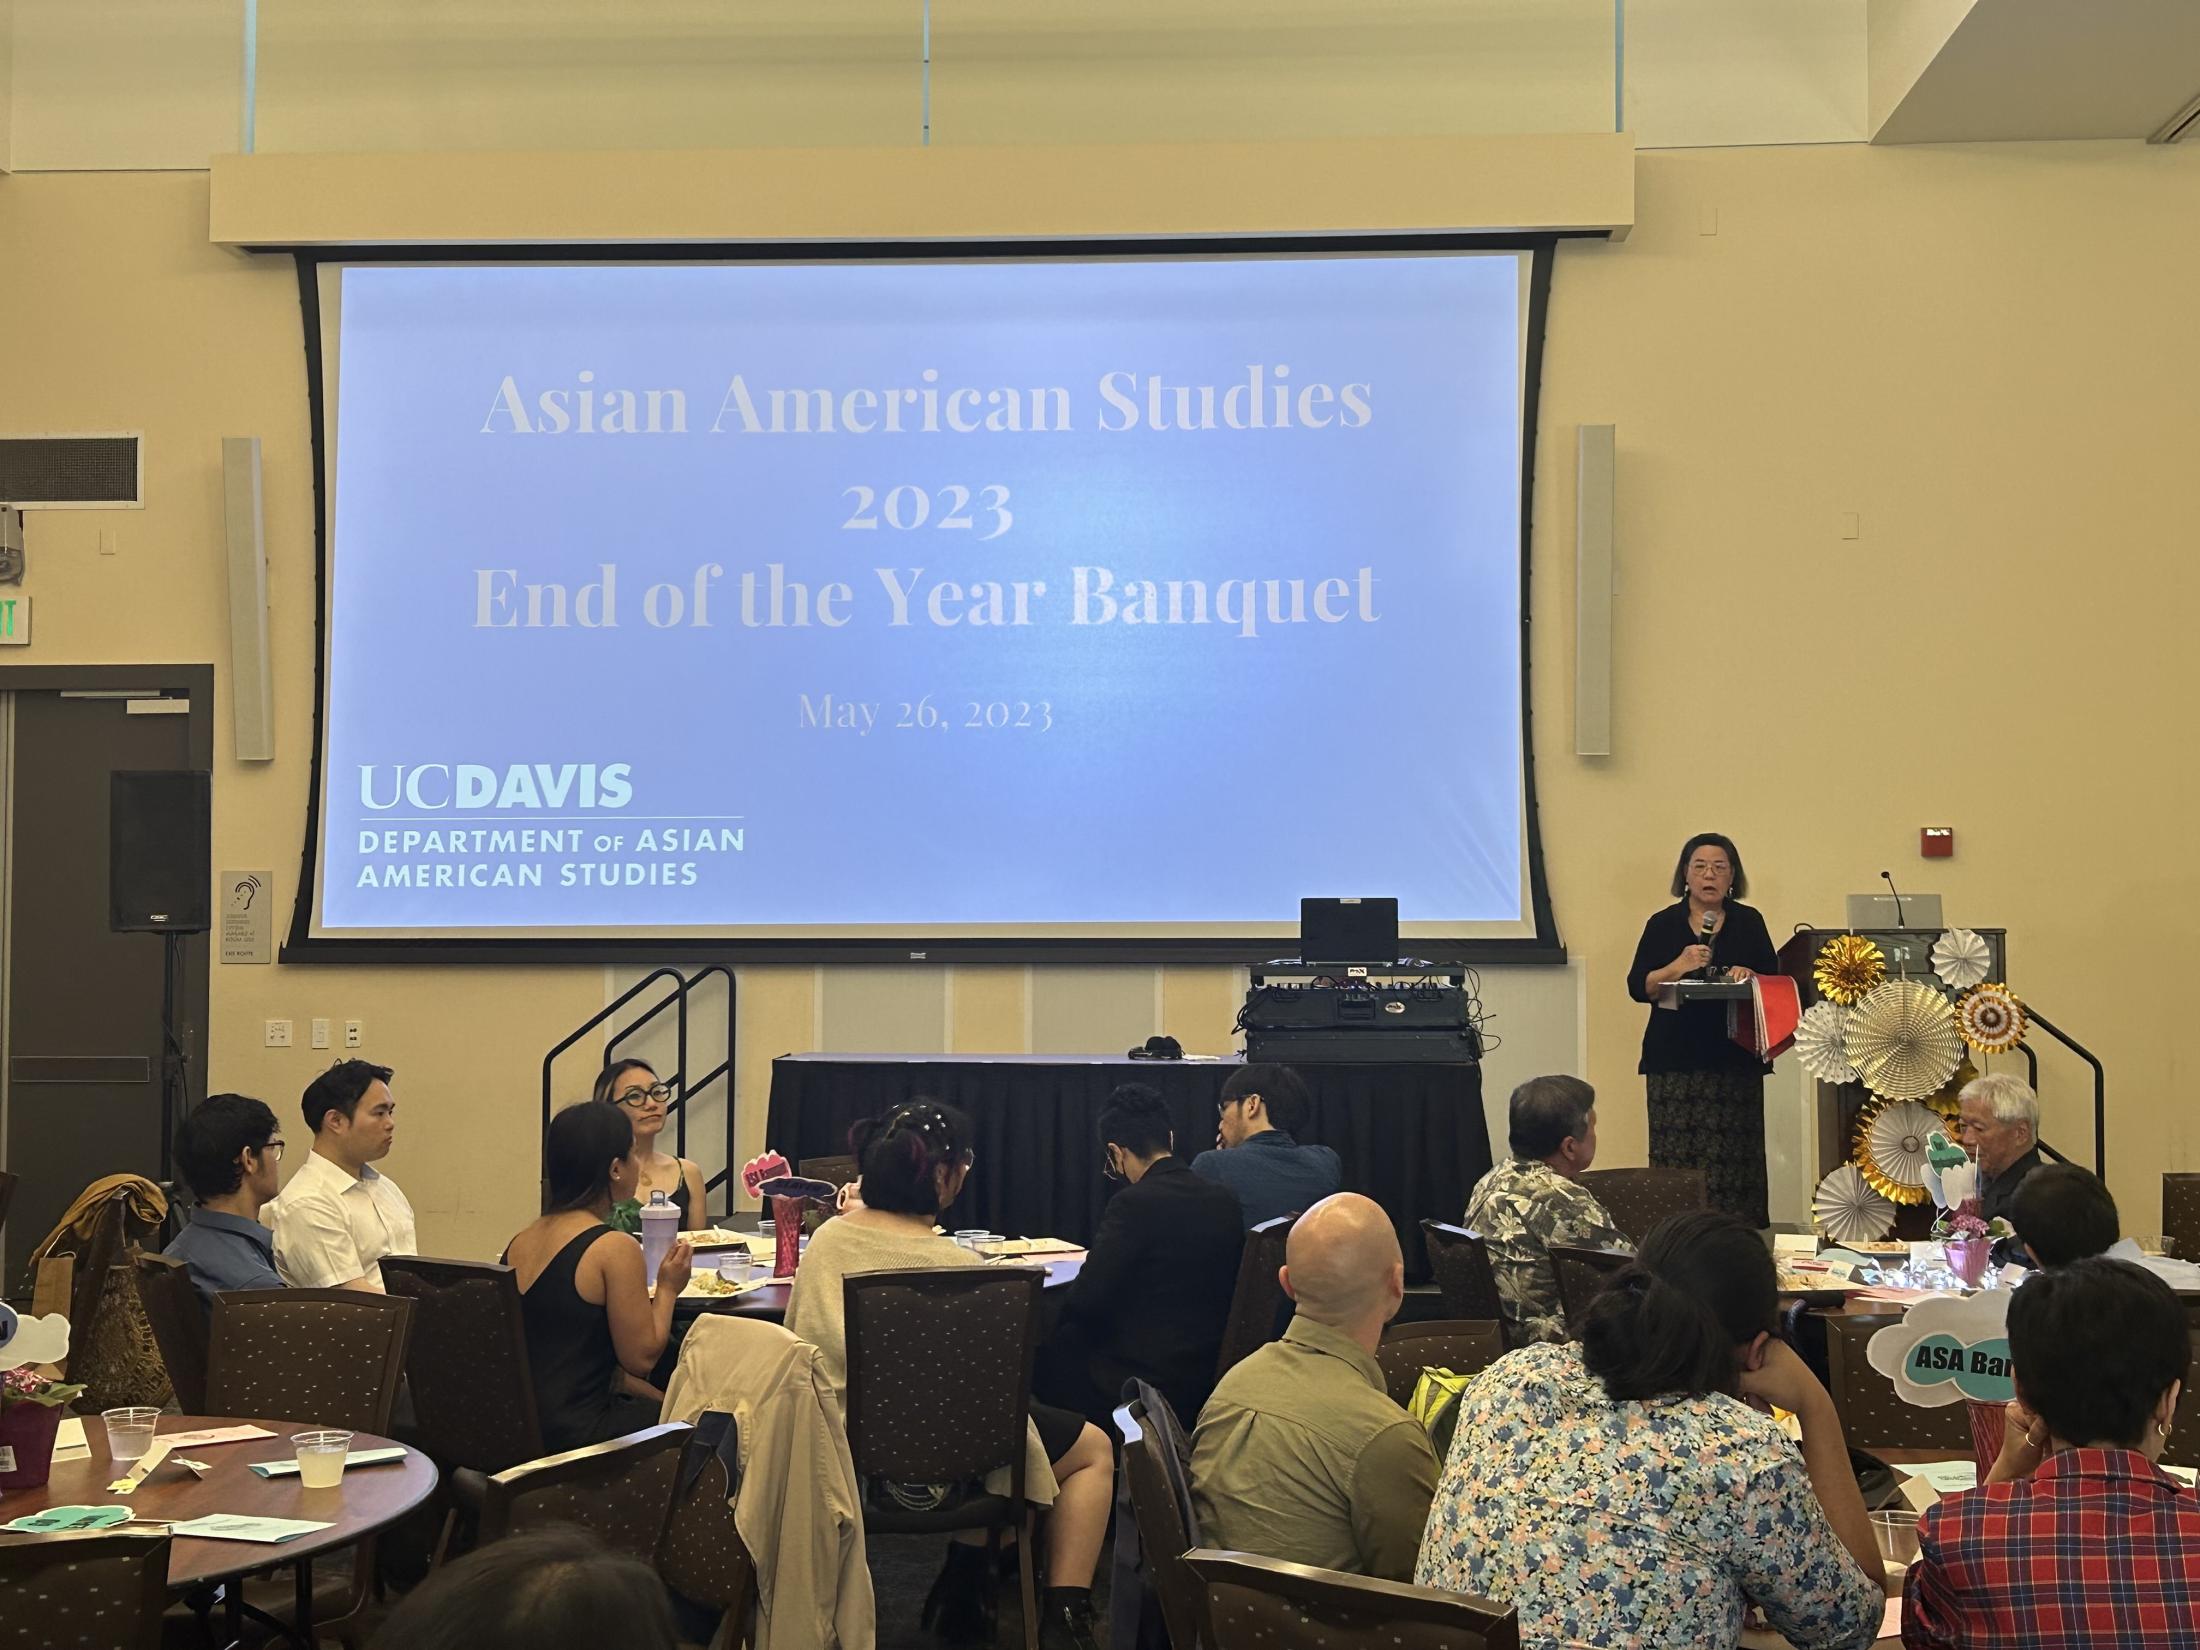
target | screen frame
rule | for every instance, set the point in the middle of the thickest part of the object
(1544, 946)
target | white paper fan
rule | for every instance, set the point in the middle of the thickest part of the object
(1891, 1144)
(1822, 1042)
(1846, 1209)
(1961, 959)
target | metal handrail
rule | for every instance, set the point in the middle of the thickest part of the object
(683, 987)
(2100, 1083)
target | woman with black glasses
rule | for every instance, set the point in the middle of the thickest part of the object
(633, 1086)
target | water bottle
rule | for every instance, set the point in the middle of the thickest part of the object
(660, 1227)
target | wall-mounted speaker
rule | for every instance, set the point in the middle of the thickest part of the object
(251, 686)
(1594, 468)
(160, 863)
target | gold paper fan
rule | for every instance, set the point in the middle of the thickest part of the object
(1890, 1148)
(1848, 966)
(1990, 1019)
(1902, 1040)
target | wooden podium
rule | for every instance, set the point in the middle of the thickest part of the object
(1909, 952)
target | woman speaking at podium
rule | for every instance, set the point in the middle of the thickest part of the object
(1706, 1092)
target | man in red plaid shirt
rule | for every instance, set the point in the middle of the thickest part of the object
(2077, 1538)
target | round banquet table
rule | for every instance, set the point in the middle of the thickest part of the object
(770, 1301)
(369, 1498)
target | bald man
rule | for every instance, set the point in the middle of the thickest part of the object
(1300, 1454)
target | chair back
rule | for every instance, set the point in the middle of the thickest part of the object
(178, 1315)
(834, 1171)
(7, 1196)
(1637, 1199)
(621, 1492)
(939, 1372)
(702, 1556)
(1461, 1266)
(2181, 1214)
(1265, 1604)
(1257, 1302)
(1581, 1274)
(1465, 1346)
(327, 1357)
(97, 1590)
(466, 1364)
(1167, 1525)
(1873, 1414)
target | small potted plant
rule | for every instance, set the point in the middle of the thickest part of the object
(1967, 1239)
(31, 1403)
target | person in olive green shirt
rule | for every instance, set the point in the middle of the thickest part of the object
(1300, 1455)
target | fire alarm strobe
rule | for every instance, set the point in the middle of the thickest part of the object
(1937, 841)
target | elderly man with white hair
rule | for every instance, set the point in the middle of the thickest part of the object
(2000, 1126)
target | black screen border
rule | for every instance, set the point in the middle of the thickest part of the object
(1545, 946)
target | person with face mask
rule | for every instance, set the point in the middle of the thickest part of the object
(1706, 1092)
(1154, 1294)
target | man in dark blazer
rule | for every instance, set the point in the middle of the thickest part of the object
(1154, 1294)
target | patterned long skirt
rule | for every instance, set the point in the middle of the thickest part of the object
(1713, 1121)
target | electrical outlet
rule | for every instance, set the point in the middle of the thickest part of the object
(278, 1034)
(320, 1034)
(355, 1033)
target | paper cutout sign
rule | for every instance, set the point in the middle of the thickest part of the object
(1948, 1349)
(31, 1340)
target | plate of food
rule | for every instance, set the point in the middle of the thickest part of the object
(710, 1286)
(1814, 1284)
(716, 1237)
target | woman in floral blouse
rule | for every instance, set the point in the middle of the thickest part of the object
(1624, 1489)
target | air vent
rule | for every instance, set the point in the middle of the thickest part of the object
(72, 472)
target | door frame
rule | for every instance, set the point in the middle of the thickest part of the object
(197, 683)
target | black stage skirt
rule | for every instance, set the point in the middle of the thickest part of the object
(1713, 1121)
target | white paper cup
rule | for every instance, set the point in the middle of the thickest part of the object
(321, 1458)
(129, 1432)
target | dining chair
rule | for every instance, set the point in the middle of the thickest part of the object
(1266, 1604)
(1161, 1508)
(1257, 1303)
(89, 1590)
(939, 1393)
(702, 1556)
(2181, 1214)
(1638, 1198)
(473, 1394)
(1873, 1415)
(1460, 1264)
(1465, 1346)
(177, 1312)
(621, 1491)
(1581, 1274)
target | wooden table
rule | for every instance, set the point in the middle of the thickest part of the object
(770, 1302)
(369, 1499)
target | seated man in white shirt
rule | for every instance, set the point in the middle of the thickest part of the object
(339, 1216)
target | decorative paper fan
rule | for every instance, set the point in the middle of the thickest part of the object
(1822, 1041)
(1991, 1020)
(1903, 1041)
(1890, 1148)
(1961, 959)
(1847, 1210)
(1848, 966)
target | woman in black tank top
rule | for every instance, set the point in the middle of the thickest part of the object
(576, 1347)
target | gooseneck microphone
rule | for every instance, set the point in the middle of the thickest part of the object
(1900, 921)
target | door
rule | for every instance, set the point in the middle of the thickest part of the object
(81, 1034)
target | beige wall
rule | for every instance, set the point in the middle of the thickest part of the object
(1976, 351)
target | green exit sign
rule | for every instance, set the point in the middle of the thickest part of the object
(15, 621)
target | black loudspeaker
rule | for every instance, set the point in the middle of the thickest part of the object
(160, 868)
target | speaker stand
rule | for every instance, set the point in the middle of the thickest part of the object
(175, 1061)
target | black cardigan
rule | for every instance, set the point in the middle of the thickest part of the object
(1693, 1037)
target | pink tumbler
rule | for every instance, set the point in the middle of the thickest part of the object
(787, 1221)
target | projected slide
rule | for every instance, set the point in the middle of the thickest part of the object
(1099, 597)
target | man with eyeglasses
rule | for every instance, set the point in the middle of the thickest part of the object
(1257, 1153)
(229, 1152)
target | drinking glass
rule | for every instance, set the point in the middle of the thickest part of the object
(734, 1266)
(321, 1458)
(1896, 1532)
(129, 1432)
(2156, 1244)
